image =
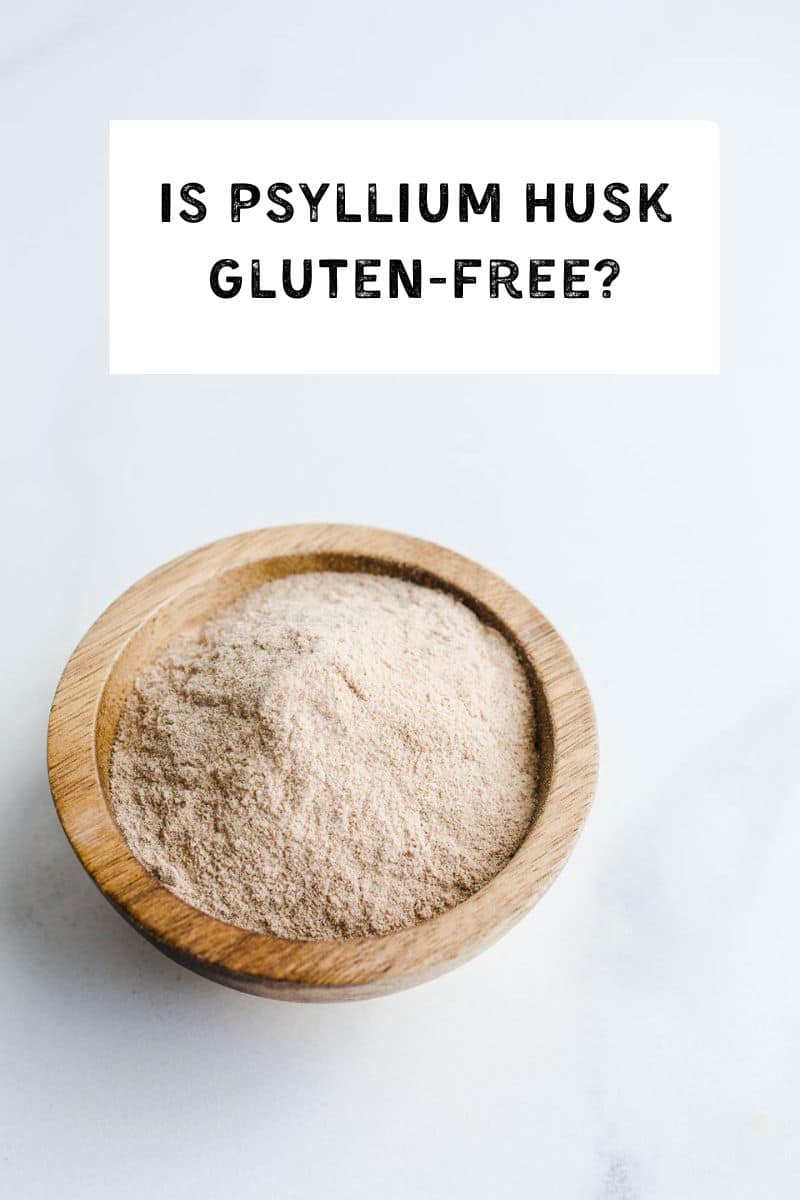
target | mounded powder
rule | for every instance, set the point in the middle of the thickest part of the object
(335, 755)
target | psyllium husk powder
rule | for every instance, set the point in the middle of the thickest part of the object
(336, 755)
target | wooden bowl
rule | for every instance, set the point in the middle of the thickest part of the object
(185, 593)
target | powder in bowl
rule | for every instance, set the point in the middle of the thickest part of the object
(335, 755)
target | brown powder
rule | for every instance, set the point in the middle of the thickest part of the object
(336, 755)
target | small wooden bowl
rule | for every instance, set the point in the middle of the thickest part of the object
(185, 593)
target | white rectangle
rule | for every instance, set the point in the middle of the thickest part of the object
(659, 315)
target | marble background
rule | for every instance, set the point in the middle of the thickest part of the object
(636, 1038)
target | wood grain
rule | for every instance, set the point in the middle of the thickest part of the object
(185, 592)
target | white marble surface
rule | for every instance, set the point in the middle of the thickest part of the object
(636, 1038)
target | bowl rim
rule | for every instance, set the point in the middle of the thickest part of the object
(344, 968)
